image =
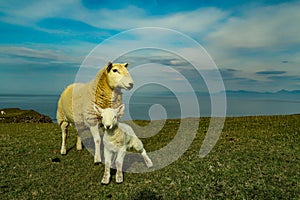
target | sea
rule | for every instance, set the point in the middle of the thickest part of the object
(147, 107)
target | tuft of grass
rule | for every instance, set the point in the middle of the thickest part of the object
(254, 158)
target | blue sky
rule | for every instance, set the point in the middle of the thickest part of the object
(255, 44)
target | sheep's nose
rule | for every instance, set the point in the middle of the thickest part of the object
(130, 85)
(107, 127)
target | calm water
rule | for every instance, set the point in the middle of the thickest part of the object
(141, 107)
(45, 104)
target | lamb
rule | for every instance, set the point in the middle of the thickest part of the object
(3, 112)
(75, 105)
(118, 137)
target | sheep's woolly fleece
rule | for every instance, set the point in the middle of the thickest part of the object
(76, 103)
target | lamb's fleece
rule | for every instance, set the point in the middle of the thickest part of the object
(118, 137)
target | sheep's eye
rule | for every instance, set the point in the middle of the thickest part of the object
(115, 117)
(115, 70)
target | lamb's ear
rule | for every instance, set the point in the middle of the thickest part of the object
(109, 66)
(98, 109)
(126, 65)
(120, 110)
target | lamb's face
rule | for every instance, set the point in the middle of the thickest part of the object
(109, 118)
(118, 76)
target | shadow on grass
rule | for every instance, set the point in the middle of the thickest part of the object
(147, 194)
(72, 147)
(131, 159)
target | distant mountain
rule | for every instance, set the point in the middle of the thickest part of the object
(288, 92)
(202, 94)
(240, 92)
(254, 92)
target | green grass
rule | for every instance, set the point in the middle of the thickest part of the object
(255, 158)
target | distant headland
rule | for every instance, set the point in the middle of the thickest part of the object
(16, 115)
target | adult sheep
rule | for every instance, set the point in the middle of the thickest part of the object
(76, 103)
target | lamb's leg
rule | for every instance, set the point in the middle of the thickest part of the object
(138, 145)
(147, 159)
(107, 157)
(64, 130)
(119, 165)
(95, 133)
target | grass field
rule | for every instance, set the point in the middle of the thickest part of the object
(255, 158)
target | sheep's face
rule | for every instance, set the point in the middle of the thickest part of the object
(118, 76)
(110, 116)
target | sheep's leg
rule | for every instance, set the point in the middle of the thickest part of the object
(78, 144)
(107, 157)
(147, 159)
(119, 166)
(138, 145)
(95, 133)
(80, 130)
(64, 130)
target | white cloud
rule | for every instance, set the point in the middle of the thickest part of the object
(255, 39)
(195, 21)
(45, 56)
(258, 39)
(259, 27)
(32, 11)
(189, 22)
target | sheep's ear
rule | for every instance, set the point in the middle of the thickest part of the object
(126, 65)
(109, 66)
(120, 110)
(98, 109)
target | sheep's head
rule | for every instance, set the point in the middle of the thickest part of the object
(109, 116)
(118, 76)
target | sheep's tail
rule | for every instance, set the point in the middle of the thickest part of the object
(64, 105)
(59, 114)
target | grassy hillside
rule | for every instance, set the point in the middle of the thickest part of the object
(16, 115)
(255, 158)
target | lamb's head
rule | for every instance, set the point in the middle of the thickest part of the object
(118, 76)
(109, 116)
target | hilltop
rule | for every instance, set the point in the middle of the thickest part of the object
(16, 115)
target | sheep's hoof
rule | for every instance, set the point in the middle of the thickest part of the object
(105, 180)
(119, 178)
(97, 159)
(97, 163)
(63, 152)
(79, 147)
(149, 163)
